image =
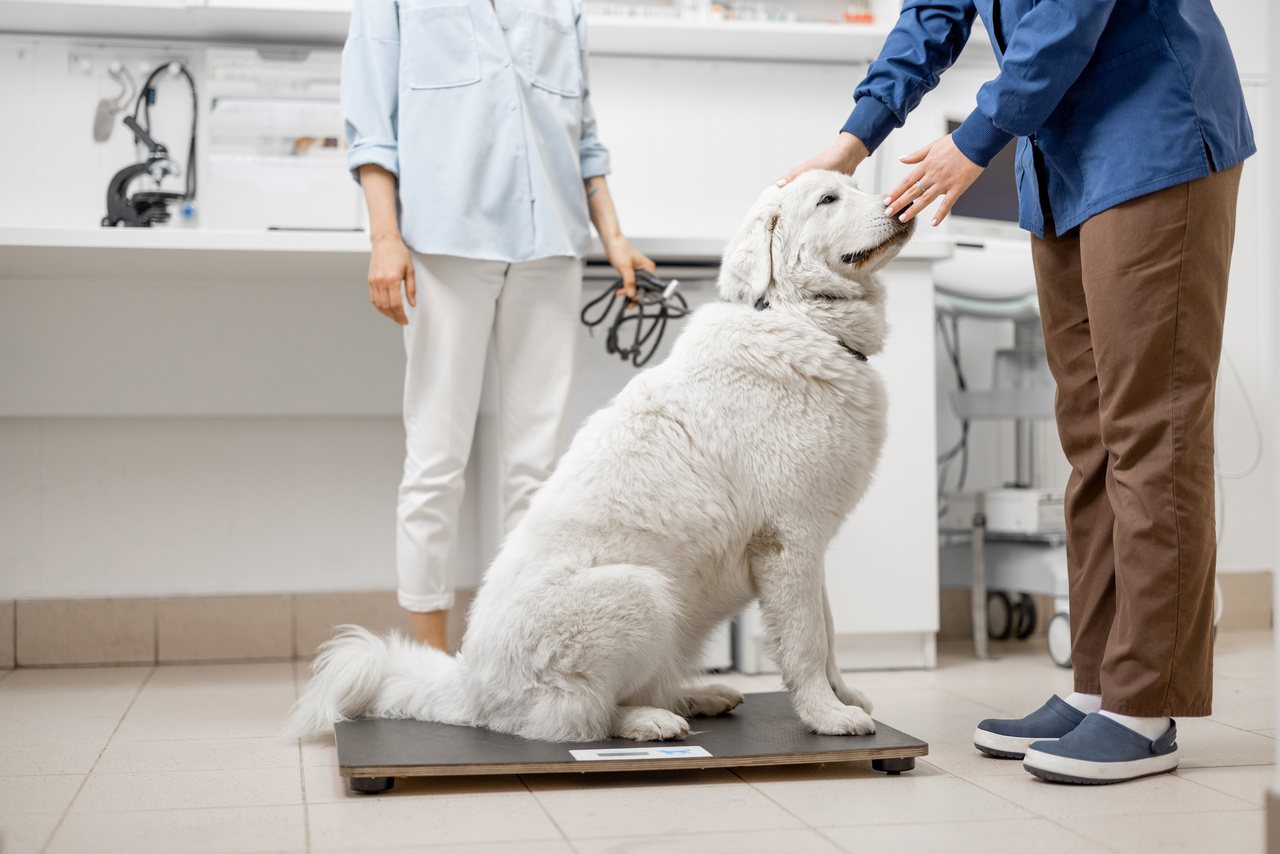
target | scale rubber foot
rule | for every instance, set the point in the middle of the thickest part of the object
(370, 785)
(894, 766)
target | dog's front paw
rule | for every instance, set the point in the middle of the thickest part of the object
(852, 697)
(709, 700)
(840, 720)
(646, 723)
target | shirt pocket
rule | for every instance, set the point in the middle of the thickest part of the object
(552, 58)
(438, 44)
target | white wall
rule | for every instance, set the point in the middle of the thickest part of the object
(92, 506)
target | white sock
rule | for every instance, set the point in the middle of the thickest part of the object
(1087, 703)
(1151, 728)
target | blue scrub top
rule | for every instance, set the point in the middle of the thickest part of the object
(1122, 97)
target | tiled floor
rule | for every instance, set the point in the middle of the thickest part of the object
(180, 759)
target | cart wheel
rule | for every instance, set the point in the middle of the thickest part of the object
(1059, 637)
(999, 616)
(1024, 611)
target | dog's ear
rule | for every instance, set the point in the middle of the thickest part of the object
(746, 270)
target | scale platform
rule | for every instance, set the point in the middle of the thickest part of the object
(764, 730)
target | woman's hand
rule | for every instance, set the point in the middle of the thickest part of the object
(389, 265)
(626, 259)
(844, 156)
(942, 171)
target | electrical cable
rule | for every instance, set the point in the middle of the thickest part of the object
(951, 345)
(147, 95)
(655, 303)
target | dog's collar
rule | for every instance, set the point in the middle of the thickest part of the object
(762, 304)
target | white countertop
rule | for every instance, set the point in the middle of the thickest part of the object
(14, 240)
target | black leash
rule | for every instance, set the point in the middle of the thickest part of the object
(656, 302)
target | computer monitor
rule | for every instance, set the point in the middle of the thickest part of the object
(989, 208)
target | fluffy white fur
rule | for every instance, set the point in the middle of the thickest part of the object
(713, 479)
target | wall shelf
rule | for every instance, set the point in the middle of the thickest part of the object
(324, 22)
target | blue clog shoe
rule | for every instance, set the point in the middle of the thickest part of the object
(1101, 750)
(1009, 739)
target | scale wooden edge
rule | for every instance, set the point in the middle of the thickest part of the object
(764, 730)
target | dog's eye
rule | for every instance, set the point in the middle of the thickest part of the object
(829, 297)
(827, 199)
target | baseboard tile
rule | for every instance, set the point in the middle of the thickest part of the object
(195, 629)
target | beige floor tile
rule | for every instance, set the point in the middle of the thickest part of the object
(175, 790)
(963, 760)
(27, 834)
(215, 701)
(70, 688)
(191, 831)
(1164, 834)
(656, 803)
(224, 628)
(932, 715)
(374, 824)
(67, 705)
(887, 800)
(324, 785)
(83, 631)
(319, 751)
(1246, 782)
(1163, 794)
(829, 771)
(1021, 836)
(213, 754)
(742, 842)
(543, 846)
(1244, 703)
(1205, 743)
(75, 756)
(31, 726)
(38, 794)
(1245, 655)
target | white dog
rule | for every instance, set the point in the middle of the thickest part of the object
(716, 478)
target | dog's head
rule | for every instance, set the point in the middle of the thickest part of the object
(811, 248)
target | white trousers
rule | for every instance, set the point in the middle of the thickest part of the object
(531, 311)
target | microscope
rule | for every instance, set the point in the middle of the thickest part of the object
(152, 206)
(141, 209)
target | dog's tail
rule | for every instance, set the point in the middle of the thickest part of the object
(357, 673)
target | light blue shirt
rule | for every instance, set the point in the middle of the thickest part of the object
(482, 113)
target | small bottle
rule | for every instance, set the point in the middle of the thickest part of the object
(188, 214)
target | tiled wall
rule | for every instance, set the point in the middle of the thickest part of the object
(69, 632)
(51, 633)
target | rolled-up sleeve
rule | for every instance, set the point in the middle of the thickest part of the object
(925, 41)
(592, 155)
(370, 86)
(1046, 52)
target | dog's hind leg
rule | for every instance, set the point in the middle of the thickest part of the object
(607, 637)
(647, 723)
(708, 700)
(848, 696)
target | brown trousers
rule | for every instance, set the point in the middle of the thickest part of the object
(1132, 303)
